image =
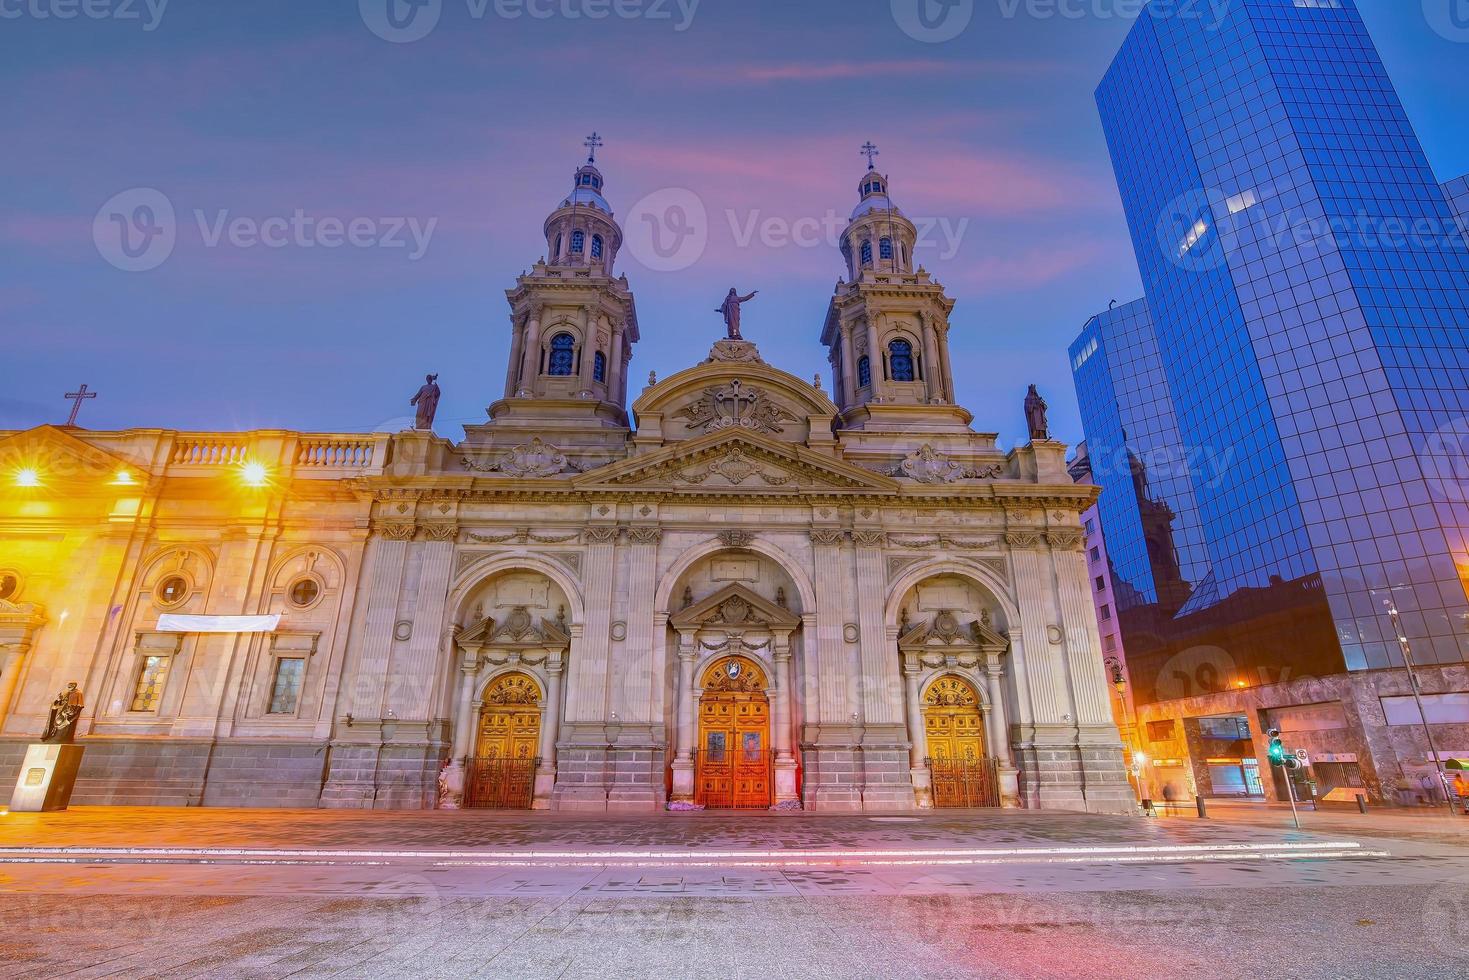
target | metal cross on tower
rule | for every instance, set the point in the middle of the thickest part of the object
(869, 151)
(76, 398)
(592, 142)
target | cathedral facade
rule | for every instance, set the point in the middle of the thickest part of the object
(741, 590)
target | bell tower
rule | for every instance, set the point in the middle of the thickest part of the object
(887, 327)
(573, 321)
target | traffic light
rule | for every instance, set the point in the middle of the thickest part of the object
(1278, 756)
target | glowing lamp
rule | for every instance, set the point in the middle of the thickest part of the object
(28, 478)
(124, 478)
(254, 474)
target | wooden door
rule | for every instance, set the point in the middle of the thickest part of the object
(734, 738)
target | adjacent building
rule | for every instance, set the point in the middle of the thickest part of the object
(731, 588)
(1279, 429)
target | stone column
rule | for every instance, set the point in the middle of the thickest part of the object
(589, 329)
(581, 764)
(785, 759)
(874, 356)
(933, 370)
(849, 366)
(614, 365)
(415, 672)
(997, 730)
(833, 765)
(637, 738)
(351, 781)
(683, 762)
(530, 364)
(517, 356)
(550, 733)
(451, 789)
(918, 773)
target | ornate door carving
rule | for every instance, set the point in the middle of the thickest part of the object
(962, 775)
(502, 773)
(734, 737)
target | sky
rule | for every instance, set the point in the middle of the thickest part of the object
(351, 194)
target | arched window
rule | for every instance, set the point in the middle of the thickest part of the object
(557, 254)
(596, 246)
(864, 372)
(866, 253)
(599, 367)
(900, 360)
(578, 242)
(563, 356)
(885, 248)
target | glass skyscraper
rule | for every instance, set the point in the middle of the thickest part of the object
(1281, 429)
(1457, 192)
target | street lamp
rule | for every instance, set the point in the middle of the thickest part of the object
(1397, 625)
(1119, 681)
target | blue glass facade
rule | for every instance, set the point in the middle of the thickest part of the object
(1309, 301)
(1457, 192)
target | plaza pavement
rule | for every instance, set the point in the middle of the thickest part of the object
(312, 893)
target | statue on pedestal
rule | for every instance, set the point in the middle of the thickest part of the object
(731, 310)
(66, 711)
(427, 401)
(1036, 416)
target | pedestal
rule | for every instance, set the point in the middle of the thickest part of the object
(683, 781)
(46, 779)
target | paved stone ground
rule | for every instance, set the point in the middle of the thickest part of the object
(444, 901)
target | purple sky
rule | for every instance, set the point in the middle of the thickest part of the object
(259, 110)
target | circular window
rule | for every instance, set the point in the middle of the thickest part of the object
(304, 592)
(9, 585)
(172, 590)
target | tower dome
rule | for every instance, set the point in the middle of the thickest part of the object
(582, 230)
(879, 237)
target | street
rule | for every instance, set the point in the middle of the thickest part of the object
(213, 893)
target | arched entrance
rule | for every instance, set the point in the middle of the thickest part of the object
(502, 773)
(962, 773)
(733, 763)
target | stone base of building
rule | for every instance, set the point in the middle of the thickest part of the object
(1063, 769)
(887, 781)
(833, 771)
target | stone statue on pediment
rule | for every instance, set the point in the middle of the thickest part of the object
(427, 403)
(731, 310)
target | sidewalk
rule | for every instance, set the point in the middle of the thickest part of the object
(1434, 825)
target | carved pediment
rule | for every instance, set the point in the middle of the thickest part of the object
(518, 629)
(736, 459)
(18, 624)
(735, 607)
(947, 633)
(69, 460)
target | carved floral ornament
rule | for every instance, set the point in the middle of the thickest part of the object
(736, 406)
(734, 675)
(536, 459)
(513, 689)
(929, 466)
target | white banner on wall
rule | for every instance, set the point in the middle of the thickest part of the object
(218, 624)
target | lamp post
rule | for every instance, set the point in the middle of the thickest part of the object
(1397, 625)
(1137, 757)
